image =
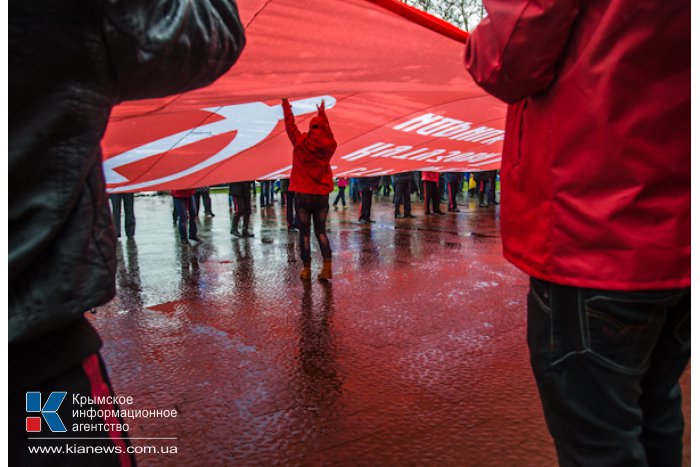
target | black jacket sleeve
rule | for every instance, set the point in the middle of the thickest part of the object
(163, 47)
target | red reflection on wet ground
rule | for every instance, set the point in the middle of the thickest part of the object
(414, 354)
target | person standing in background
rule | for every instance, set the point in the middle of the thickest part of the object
(129, 219)
(366, 186)
(186, 214)
(402, 194)
(453, 181)
(432, 194)
(342, 183)
(201, 194)
(240, 193)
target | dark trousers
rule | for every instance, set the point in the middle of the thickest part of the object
(402, 195)
(340, 196)
(452, 189)
(312, 208)
(186, 214)
(491, 195)
(432, 196)
(354, 191)
(129, 220)
(482, 186)
(607, 366)
(365, 204)
(291, 219)
(419, 184)
(242, 207)
(202, 197)
(265, 192)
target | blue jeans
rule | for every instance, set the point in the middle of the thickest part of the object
(186, 213)
(607, 366)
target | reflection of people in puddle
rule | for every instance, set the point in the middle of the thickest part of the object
(129, 276)
(369, 252)
(243, 270)
(319, 384)
(404, 246)
(189, 267)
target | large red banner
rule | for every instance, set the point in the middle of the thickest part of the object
(397, 96)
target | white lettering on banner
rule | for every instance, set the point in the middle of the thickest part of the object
(388, 150)
(418, 122)
(366, 151)
(450, 128)
(253, 122)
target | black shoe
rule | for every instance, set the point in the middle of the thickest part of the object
(364, 221)
(247, 234)
(495, 203)
(196, 239)
(397, 215)
(210, 214)
(454, 210)
(292, 230)
(409, 216)
(371, 221)
(439, 212)
(236, 233)
(183, 241)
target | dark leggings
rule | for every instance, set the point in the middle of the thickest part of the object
(310, 207)
(432, 196)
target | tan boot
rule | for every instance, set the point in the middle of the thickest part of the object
(305, 273)
(327, 271)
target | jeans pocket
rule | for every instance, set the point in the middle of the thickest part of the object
(623, 328)
(542, 336)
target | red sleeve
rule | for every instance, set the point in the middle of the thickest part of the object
(513, 53)
(290, 125)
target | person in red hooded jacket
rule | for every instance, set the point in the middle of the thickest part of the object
(596, 209)
(311, 180)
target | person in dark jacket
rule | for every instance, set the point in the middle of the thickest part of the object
(366, 186)
(70, 63)
(402, 194)
(312, 181)
(453, 181)
(242, 200)
(609, 256)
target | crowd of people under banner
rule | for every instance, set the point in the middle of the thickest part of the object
(431, 188)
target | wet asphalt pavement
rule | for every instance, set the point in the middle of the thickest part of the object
(414, 354)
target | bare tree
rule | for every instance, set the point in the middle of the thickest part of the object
(465, 14)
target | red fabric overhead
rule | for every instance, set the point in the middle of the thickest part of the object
(396, 93)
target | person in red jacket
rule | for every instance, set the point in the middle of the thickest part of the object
(311, 180)
(432, 192)
(596, 209)
(186, 213)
